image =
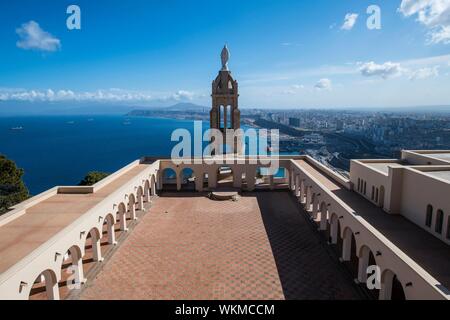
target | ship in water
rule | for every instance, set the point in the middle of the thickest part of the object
(17, 128)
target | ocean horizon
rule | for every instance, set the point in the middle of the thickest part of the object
(61, 150)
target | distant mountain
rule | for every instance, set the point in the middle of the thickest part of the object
(23, 108)
(177, 108)
(186, 107)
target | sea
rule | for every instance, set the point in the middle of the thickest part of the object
(61, 150)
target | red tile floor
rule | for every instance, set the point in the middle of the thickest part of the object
(190, 247)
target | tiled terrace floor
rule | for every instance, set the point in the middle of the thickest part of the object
(190, 247)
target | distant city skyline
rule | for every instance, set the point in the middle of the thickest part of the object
(284, 54)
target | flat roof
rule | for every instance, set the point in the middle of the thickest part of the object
(45, 219)
(382, 166)
(434, 257)
(441, 156)
(444, 175)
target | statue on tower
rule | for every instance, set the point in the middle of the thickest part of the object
(225, 55)
(225, 114)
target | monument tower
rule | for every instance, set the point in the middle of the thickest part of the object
(225, 112)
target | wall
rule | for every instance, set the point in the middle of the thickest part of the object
(419, 190)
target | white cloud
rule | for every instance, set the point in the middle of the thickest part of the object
(385, 70)
(349, 21)
(294, 89)
(424, 73)
(32, 37)
(434, 14)
(323, 84)
(183, 95)
(109, 95)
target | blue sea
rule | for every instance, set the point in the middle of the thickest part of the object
(60, 150)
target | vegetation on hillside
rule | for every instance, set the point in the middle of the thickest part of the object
(92, 178)
(12, 187)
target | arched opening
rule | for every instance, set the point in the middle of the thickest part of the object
(439, 221)
(139, 201)
(381, 198)
(169, 180)
(308, 199)
(131, 208)
(262, 178)
(120, 224)
(153, 186)
(188, 179)
(205, 180)
(313, 201)
(333, 229)
(45, 287)
(108, 239)
(244, 181)
(391, 287)
(340, 240)
(225, 177)
(365, 260)
(302, 191)
(429, 216)
(147, 191)
(222, 112)
(349, 255)
(72, 275)
(92, 250)
(281, 178)
(323, 216)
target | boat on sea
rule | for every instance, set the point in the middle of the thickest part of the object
(17, 128)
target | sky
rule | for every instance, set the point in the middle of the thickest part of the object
(284, 53)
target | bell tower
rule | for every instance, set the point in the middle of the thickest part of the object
(225, 112)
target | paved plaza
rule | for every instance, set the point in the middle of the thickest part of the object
(190, 247)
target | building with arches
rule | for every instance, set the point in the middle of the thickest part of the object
(72, 228)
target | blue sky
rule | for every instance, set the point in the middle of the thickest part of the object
(285, 53)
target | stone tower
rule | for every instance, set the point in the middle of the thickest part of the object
(225, 112)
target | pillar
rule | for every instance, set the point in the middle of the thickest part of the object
(386, 286)
(250, 176)
(178, 181)
(347, 246)
(111, 233)
(363, 264)
(323, 218)
(77, 267)
(308, 198)
(51, 287)
(123, 220)
(271, 183)
(96, 247)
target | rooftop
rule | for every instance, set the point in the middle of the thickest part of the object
(42, 221)
(444, 175)
(191, 247)
(429, 252)
(383, 166)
